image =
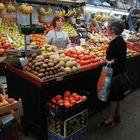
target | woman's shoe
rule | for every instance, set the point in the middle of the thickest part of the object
(104, 124)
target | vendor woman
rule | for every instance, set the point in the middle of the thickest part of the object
(56, 36)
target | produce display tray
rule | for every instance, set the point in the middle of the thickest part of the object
(61, 112)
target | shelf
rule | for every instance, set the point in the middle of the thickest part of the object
(67, 3)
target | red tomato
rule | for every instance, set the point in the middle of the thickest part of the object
(59, 101)
(67, 94)
(67, 104)
(84, 98)
(66, 98)
(53, 100)
(58, 97)
(73, 102)
(77, 97)
(74, 94)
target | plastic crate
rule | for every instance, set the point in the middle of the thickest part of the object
(79, 135)
(69, 126)
(63, 113)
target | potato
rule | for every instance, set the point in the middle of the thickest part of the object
(29, 69)
(33, 67)
(44, 66)
(34, 55)
(30, 59)
(50, 64)
(29, 64)
(50, 72)
(42, 70)
(37, 64)
(37, 68)
(40, 75)
(46, 73)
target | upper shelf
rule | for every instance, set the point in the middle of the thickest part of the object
(56, 2)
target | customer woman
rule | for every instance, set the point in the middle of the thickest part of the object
(56, 36)
(116, 55)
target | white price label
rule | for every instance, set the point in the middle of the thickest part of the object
(7, 119)
(60, 78)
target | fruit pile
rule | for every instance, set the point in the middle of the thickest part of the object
(134, 46)
(10, 8)
(131, 53)
(67, 27)
(4, 101)
(69, 13)
(13, 36)
(44, 67)
(47, 27)
(68, 99)
(5, 46)
(48, 50)
(84, 58)
(38, 39)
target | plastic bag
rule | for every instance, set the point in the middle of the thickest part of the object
(104, 82)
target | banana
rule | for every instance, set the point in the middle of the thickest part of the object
(11, 8)
(63, 12)
(42, 11)
(49, 11)
(25, 9)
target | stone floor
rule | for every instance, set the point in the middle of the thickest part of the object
(127, 129)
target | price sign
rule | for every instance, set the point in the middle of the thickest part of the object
(7, 119)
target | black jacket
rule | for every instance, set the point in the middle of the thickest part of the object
(117, 51)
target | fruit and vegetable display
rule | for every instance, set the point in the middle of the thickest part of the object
(135, 46)
(69, 29)
(52, 64)
(12, 36)
(37, 39)
(4, 101)
(68, 99)
(84, 58)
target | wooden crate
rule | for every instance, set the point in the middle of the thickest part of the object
(15, 109)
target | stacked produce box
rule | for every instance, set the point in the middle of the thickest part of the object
(10, 113)
(68, 116)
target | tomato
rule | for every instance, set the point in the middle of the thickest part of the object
(77, 97)
(66, 98)
(58, 97)
(67, 104)
(53, 100)
(59, 101)
(67, 94)
(84, 98)
(74, 94)
(73, 102)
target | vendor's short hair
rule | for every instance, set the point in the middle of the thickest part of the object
(117, 26)
(56, 18)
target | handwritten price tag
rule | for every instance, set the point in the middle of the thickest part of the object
(7, 119)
